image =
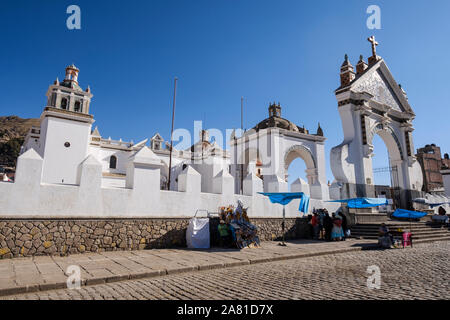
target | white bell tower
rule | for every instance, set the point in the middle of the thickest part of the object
(65, 129)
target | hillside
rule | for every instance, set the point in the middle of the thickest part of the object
(12, 133)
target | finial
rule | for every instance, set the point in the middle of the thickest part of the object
(361, 57)
(346, 57)
(319, 131)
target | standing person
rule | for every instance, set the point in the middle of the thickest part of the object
(344, 224)
(310, 227)
(337, 233)
(328, 226)
(321, 217)
(224, 234)
(315, 225)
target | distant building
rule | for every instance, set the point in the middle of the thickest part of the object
(432, 163)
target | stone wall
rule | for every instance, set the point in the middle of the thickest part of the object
(28, 237)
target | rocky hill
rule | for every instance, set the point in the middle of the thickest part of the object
(12, 133)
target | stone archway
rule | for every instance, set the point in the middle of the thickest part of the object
(298, 151)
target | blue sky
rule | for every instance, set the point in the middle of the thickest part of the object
(286, 51)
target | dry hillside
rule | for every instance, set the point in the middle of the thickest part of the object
(12, 132)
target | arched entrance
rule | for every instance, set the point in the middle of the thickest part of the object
(386, 167)
(298, 151)
(371, 102)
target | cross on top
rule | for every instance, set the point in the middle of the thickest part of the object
(374, 45)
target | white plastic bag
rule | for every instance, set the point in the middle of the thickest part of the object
(197, 233)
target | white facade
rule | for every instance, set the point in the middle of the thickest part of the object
(66, 168)
(371, 102)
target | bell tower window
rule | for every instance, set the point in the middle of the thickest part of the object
(64, 103)
(113, 162)
(77, 107)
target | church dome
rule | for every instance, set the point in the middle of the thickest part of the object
(276, 121)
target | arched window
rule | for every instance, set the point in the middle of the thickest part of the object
(64, 103)
(77, 106)
(113, 162)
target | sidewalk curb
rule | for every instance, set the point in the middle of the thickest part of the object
(158, 273)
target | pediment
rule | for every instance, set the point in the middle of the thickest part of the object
(157, 137)
(379, 82)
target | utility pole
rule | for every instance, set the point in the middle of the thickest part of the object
(171, 131)
(242, 135)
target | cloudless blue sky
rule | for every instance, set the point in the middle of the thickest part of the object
(288, 51)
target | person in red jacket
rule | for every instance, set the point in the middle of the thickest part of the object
(315, 225)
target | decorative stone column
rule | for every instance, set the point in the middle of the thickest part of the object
(300, 185)
(223, 183)
(252, 184)
(143, 171)
(189, 180)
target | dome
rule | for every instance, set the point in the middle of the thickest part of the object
(276, 121)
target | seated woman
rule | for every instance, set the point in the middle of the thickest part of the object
(384, 236)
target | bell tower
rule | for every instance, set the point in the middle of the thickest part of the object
(65, 128)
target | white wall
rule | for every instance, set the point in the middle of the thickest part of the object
(60, 162)
(28, 197)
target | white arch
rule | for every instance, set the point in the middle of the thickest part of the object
(299, 151)
(389, 138)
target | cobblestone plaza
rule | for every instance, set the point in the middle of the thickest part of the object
(421, 272)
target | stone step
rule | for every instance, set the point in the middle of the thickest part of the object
(397, 227)
(415, 235)
(433, 237)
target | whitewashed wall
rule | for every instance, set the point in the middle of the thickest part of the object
(29, 197)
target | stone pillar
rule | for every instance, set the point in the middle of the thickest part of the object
(252, 184)
(143, 171)
(90, 173)
(335, 190)
(273, 183)
(189, 180)
(29, 169)
(90, 181)
(223, 182)
(300, 185)
(319, 191)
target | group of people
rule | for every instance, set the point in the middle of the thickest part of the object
(328, 228)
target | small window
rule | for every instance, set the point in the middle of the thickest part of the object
(77, 106)
(64, 103)
(113, 162)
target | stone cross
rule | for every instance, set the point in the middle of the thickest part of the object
(374, 45)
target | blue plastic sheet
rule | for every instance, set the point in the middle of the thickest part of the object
(402, 213)
(363, 202)
(285, 197)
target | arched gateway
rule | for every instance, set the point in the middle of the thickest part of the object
(371, 102)
(268, 149)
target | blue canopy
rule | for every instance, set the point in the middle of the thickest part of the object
(402, 213)
(286, 197)
(426, 202)
(363, 202)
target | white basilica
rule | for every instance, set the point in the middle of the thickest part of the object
(91, 174)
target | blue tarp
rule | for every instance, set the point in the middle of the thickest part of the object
(363, 202)
(402, 213)
(286, 197)
(426, 202)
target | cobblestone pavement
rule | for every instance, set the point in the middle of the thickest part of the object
(422, 272)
